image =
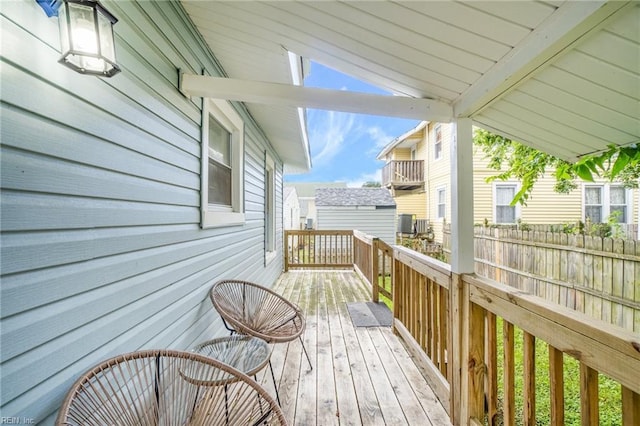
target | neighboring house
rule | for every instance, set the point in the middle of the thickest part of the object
(307, 197)
(371, 210)
(291, 209)
(417, 172)
(108, 243)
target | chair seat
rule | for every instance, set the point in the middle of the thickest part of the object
(167, 387)
(249, 308)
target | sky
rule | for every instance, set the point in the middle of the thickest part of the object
(344, 145)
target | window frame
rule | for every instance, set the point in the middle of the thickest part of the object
(270, 209)
(516, 208)
(443, 190)
(216, 215)
(605, 202)
(437, 142)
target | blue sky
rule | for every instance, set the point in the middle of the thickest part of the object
(344, 146)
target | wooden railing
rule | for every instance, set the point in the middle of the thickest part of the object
(403, 172)
(318, 249)
(463, 329)
(373, 258)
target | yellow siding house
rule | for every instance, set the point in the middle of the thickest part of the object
(417, 172)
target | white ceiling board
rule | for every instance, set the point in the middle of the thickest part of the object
(562, 76)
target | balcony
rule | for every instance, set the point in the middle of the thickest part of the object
(459, 330)
(403, 175)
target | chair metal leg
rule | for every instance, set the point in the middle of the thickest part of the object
(305, 352)
(275, 386)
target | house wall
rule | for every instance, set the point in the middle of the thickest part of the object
(291, 211)
(380, 222)
(414, 203)
(438, 176)
(102, 251)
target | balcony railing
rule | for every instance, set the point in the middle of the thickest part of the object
(403, 174)
(462, 328)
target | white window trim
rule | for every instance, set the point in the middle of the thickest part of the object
(270, 242)
(215, 215)
(494, 202)
(437, 203)
(606, 200)
(435, 140)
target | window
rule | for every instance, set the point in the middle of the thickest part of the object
(504, 212)
(270, 206)
(601, 201)
(442, 203)
(437, 146)
(222, 165)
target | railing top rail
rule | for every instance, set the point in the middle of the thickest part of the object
(318, 232)
(413, 255)
(611, 350)
(367, 238)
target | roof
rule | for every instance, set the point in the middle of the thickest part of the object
(308, 189)
(379, 197)
(560, 76)
(406, 140)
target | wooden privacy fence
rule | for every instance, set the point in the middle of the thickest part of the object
(597, 276)
(463, 329)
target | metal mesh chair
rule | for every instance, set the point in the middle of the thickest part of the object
(167, 387)
(249, 308)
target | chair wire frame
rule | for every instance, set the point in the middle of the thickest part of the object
(167, 387)
(249, 308)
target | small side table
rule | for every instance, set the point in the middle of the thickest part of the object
(245, 353)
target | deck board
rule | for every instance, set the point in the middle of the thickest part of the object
(359, 376)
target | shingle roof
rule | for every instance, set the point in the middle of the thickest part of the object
(308, 189)
(354, 197)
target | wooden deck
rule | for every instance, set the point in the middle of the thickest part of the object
(360, 375)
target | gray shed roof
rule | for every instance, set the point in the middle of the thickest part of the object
(308, 189)
(354, 197)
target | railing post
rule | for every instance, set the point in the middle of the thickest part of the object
(455, 349)
(374, 270)
(286, 250)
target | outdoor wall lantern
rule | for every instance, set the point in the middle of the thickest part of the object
(86, 35)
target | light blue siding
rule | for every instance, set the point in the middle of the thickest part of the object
(379, 222)
(101, 248)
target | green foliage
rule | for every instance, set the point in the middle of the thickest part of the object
(371, 184)
(514, 160)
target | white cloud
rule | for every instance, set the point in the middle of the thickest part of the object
(330, 131)
(365, 177)
(380, 139)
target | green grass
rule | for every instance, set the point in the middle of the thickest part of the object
(610, 399)
(609, 391)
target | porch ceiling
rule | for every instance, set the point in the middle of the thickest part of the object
(561, 76)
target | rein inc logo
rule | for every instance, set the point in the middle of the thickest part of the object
(17, 421)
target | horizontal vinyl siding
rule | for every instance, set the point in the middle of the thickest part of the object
(415, 204)
(544, 206)
(102, 252)
(377, 222)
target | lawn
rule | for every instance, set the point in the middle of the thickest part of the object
(609, 391)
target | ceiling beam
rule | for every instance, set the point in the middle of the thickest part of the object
(572, 21)
(311, 97)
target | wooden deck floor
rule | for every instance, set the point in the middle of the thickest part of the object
(360, 375)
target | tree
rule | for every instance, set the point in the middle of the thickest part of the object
(514, 160)
(371, 184)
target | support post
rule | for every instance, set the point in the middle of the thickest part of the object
(462, 262)
(375, 269)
